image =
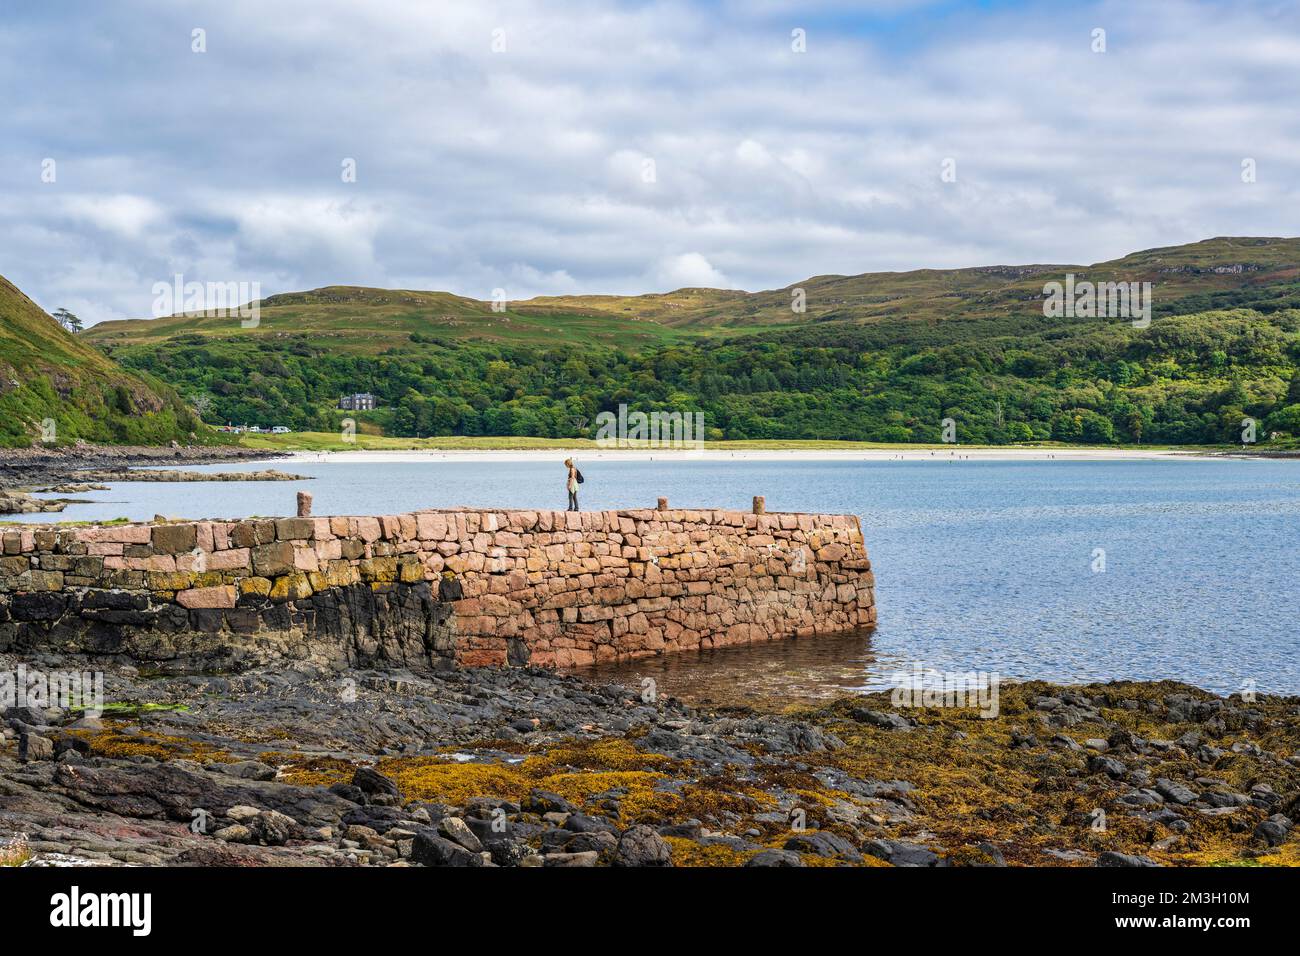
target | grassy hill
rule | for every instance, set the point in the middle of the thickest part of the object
(363, 320)
(49, 375)
(876, 357)
(1215, 273)
(1208, 268)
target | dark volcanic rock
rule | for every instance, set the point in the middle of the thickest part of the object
(821, 843)
(542, 801)
(248, 770)
(35, 747)
(372, 782)
(1174, 791)
(602, 842)
(348, 792)
(431, 849)
(582, 823)
(642, 846)
(165, 790)
(457, 831)
(885, 719)
(379, 819)
(902, 853)
(1107, 765)
(1273, 831)
(1111, 858)
(26, 715)
(775, 858)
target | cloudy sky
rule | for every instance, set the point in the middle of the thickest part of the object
(602, 146)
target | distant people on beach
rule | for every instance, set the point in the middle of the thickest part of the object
(574, 479)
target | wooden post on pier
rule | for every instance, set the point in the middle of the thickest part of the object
(760, 504)
(304, 504)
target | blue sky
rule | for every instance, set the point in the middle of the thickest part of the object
(625, 147)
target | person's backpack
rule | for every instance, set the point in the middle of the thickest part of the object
(577, 474)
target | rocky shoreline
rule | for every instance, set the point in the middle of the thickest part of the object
(82, 468)
(529, 767)
(27, 468)
(178, 475)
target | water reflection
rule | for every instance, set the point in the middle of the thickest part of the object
(767, 675)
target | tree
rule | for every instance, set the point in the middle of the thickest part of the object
(1287, 420)
(68, 320)
(1293, 391)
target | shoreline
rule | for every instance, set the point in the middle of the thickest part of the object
(27, 468)
(374, 456)
(487, 767)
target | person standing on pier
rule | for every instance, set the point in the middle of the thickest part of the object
(575, 478)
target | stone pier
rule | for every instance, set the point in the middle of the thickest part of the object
(433, 589)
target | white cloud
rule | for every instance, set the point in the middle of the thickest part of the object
(688, 269)
(123, 215)
(527, 169)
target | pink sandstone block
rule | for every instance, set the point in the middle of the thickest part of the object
(222, 596)
(329, 550)
(203, 536)
(193, 561)
(122, 534)
(430, 526)
(233, 559)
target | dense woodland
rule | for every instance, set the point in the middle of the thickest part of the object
(1187, 379)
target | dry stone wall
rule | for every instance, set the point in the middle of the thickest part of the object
(434, 588)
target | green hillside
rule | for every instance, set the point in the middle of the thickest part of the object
(49, 375)
(362, 320)
(1215, 266)
(875, 357)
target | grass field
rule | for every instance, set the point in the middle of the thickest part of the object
(332, 441)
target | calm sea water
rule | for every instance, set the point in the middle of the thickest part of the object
(980, 566)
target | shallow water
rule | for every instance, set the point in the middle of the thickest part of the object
(1062, 570)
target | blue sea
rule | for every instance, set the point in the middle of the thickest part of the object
(1063, 570)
